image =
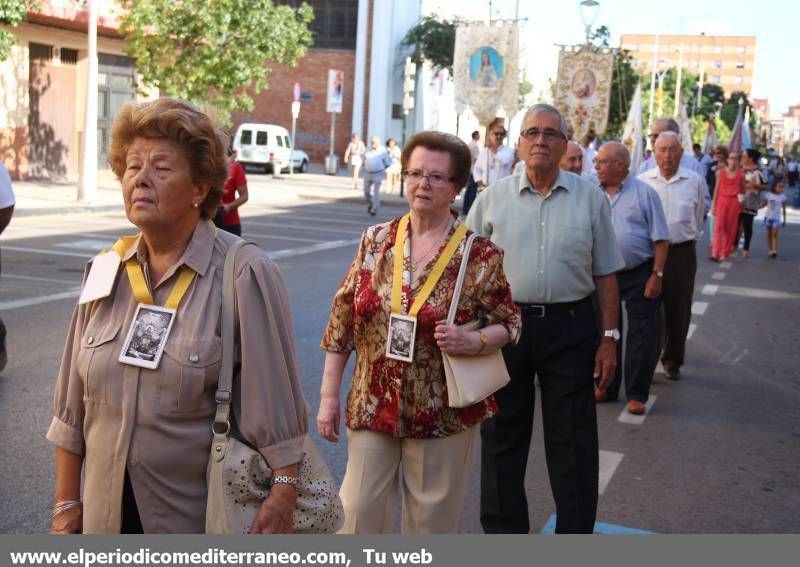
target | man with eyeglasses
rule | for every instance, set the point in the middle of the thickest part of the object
(683, 195)
(643, 239)
(555, 229)
(687, 162)
(495, 159)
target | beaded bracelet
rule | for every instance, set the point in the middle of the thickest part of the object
(65, 505)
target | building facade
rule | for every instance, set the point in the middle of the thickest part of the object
(727, 61)
(42, 89)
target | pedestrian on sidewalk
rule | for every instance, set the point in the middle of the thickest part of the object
(7, 203)
(556, 232)
(394, 171)
(495, 160)
(776, 202)
(727, 207)
(683, 196)
(754, 187)
(643, 237)
(227, 217)
(397, 413)
(132, 428)
(376, 162)
(471, 189)
(354, 156)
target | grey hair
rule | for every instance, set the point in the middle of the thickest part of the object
(671, 124)
(668, 134)
(550, 109)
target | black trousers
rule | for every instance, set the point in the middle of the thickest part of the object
(560, 350)
(637, 349)
(469, 195)
(131, 522)
(676, 300)
(746, 221)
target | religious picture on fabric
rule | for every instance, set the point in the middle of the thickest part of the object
(485, 66)
(584, 83)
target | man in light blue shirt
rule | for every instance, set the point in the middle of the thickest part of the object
(643, 237)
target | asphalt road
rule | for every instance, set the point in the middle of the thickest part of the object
(718, 452)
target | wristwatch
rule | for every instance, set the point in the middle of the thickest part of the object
(658, 274)
(284, 479)
(611, 334)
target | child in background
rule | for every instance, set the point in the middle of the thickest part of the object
(776, 202)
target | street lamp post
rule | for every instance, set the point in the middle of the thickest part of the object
(409, 71)
(589, 10)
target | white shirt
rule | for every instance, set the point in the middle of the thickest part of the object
(587, 167)
(474, 149)
(683, 199)
(6, 193)
(491, 166)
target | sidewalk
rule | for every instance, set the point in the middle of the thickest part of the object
(37, 198)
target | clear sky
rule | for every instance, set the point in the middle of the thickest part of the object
(775, 23)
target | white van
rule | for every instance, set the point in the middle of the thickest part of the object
(260, 145)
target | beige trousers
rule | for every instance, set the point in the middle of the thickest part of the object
(435, 473)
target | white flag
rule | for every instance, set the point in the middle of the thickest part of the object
(633, 134)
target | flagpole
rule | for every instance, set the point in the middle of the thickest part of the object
(652, 85)
(678, 82)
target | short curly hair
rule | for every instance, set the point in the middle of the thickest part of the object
(181, 123)
(460, 156)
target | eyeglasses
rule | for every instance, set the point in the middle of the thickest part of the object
(672, 150)
(435, 179)
(548, 134)
(605, 161)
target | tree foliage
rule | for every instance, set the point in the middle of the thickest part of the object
(432, 40)
(12, 13)
(213, 52)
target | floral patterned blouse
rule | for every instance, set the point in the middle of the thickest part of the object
(410, 399)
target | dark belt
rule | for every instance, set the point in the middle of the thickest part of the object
(548, 309)
(683, 244)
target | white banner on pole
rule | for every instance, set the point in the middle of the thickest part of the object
(335, 90)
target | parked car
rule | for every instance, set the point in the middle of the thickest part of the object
(299, 161)
(261, 145)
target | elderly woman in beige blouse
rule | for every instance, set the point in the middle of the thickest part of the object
(142, 436)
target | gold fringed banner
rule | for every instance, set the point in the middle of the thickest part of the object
(583, 87)
(486, 69)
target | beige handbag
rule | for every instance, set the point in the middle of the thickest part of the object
(471, 379)
(238, 476)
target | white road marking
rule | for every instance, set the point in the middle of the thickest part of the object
(291, 252)
(16, 304)
(86, 244)
(626, 417)
(718, 276)
(34, 279)
(692, 329)
(699, 307)
(609, 461)
(273, 237)
(758, 293)
(52, 252)
(725, 265)
(710, 289)
(300, 227)
(738, 359)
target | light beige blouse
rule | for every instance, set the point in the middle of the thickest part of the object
(157, 423)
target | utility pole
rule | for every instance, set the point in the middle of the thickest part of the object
(678, 82)
(409, 70)
(652, 85)
(87, 182)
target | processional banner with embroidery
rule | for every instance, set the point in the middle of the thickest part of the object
(486, 69)
(583, 87)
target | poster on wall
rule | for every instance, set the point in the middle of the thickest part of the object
(335, 90)
(583, 87)
(486, 69)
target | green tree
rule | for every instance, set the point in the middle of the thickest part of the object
(432, 40)
(623, 83)
(12, 13)
(213, 52)
(525, 89)
(730, 110)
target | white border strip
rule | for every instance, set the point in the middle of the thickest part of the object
(609, 461)
(699, 307)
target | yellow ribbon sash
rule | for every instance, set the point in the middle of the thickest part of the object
(138, 283)
(433, 278)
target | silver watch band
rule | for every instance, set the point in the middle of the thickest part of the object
(284, 479)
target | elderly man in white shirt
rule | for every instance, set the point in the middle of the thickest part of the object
(683, 196)
(687, 161)
(495, 160)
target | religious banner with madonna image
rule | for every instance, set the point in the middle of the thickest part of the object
(486, 69)
(583, 87)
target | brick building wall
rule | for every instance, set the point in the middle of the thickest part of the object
(273, 105)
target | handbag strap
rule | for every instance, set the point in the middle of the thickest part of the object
(222, 425)
(451, 315)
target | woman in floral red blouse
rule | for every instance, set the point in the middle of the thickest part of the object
(397, 412)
